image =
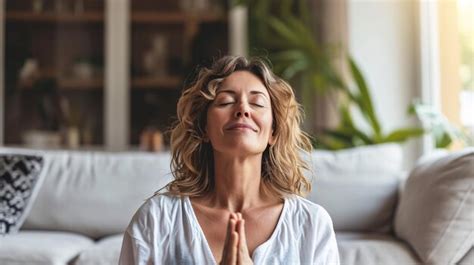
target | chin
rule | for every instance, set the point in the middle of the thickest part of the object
(240, 149)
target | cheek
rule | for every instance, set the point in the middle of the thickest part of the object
(267, 121)
(214, 121)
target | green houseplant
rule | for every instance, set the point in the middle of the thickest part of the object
(282, 29)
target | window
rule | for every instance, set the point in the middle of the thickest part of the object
(465, 10)
(447, 64)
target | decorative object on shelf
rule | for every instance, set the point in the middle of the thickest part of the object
(71, 123)
(29, 71)
(71, 137)
(48, 108)
(47, 116)
(155, 59)
(86, 67)
(83, 70)
(151, 140)
(42, 139)
(37, 6)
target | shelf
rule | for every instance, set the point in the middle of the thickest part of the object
(77, 84)
(50, 17)
(173, 17)
(71, 84)
(169, 82)
(96, 17)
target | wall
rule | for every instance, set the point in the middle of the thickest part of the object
(383, 41)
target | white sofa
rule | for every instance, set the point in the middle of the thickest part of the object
(87, 199)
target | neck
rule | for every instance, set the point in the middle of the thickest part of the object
(237, 182)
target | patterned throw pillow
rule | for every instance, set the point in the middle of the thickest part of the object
(19, 183)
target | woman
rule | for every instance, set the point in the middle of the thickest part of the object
(238, 179)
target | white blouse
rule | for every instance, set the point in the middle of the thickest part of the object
(165, 230)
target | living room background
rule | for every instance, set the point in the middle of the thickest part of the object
(116, 90)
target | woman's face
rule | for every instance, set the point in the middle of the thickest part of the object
(239, 120)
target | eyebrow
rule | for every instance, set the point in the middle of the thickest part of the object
(253, 92)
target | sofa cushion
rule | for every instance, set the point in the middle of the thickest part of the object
(105, 252)
(358, 186)
(468, 259)
(95, 193)
(374, 160)
(41, 248)
(20, 180)
(373, 249)
(358, 203)
(439, 192)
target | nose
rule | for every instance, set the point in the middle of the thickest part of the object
(242, 111)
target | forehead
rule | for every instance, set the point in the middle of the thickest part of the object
(243, 81)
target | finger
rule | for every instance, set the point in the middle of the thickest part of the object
(239, 216)
(234, 239)
(242, 236)
(243, 254)
(231, 225)
(228, 241)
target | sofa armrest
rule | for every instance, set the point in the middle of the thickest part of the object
(434, 214)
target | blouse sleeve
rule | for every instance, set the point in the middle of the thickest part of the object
(134, 251)
(138, 246)
(326, 250)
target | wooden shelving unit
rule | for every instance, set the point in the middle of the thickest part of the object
(145, 82)
(153, 101)
(58, 41)
(168, 82)
(174, 17)
(50, 17)
(78, 84)
(97, 17)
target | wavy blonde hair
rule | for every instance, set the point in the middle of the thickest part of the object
(192, 156)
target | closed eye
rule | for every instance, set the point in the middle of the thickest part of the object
(225, 103)
(257, 105)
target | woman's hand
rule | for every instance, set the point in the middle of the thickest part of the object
(235, 247)
(243, 256)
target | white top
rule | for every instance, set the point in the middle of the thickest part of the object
(165, 230)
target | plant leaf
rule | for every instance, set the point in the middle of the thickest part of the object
(331, 143)
(401, 135)
(283, 31)
(365, 103)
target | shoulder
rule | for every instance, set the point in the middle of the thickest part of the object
(315, 231)
(158, 204)
(308, 212)
(298, 203)
(154, 215)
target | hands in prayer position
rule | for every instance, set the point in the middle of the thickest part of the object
(235, 247)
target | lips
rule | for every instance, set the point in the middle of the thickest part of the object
(235, 126)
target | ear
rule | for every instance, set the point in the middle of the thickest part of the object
(272, 139)
(205, 138)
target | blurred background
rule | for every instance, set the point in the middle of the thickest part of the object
(106, 74)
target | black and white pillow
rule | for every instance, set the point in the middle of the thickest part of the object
(19, 183)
